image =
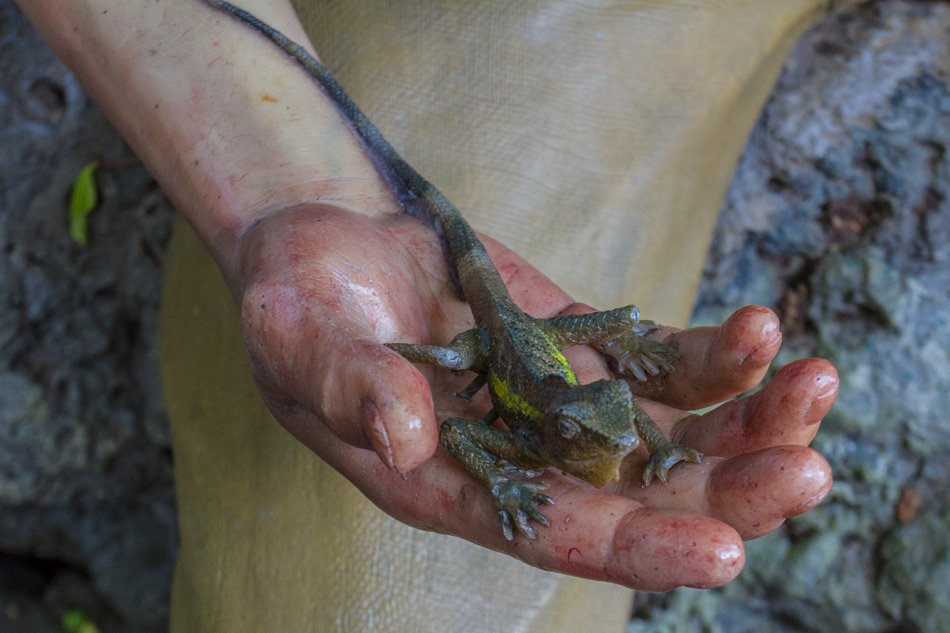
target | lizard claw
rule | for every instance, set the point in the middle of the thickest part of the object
(664, 458)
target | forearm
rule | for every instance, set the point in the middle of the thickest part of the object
(230, 129)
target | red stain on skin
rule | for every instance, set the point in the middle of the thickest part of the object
(571, 553)
(445, 500)
(575, 562)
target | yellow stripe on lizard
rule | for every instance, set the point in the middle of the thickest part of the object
(510, 399)
(558, 357)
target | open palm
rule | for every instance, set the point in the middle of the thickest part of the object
(323, 288)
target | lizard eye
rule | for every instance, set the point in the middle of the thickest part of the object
(568, 428)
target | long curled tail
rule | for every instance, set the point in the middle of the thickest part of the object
(425, 202)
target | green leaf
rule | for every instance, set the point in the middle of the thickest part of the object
(75, 621)
(72, 620)
(83, 200)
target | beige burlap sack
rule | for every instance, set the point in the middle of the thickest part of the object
(596, 139)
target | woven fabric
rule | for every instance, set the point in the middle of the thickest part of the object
(596, 139)
(603, 130)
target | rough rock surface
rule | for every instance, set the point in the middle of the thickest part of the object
(839, 218)
(87, 514)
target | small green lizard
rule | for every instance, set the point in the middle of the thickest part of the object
(551, 419)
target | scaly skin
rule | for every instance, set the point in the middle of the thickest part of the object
(552, 420)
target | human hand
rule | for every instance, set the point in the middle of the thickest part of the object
(323, 288)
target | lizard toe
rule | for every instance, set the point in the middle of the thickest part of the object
(665, 458)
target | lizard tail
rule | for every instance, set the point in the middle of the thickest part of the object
(423, 201)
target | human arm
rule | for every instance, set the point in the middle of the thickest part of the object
(229, 131)
(330, 325)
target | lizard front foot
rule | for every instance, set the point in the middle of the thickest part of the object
(665, 457)
(635, 356)
(518, 504)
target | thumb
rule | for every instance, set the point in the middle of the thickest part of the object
(368, 395)
(310, 360)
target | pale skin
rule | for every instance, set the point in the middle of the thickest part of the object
(326, 268)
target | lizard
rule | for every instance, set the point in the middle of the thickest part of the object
(585, 430)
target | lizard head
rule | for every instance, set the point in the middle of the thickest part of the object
(589, 430)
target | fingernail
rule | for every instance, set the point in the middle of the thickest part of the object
(826, 386)
(377, 434)
(758, 324)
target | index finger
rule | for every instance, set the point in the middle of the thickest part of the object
(716, 363)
